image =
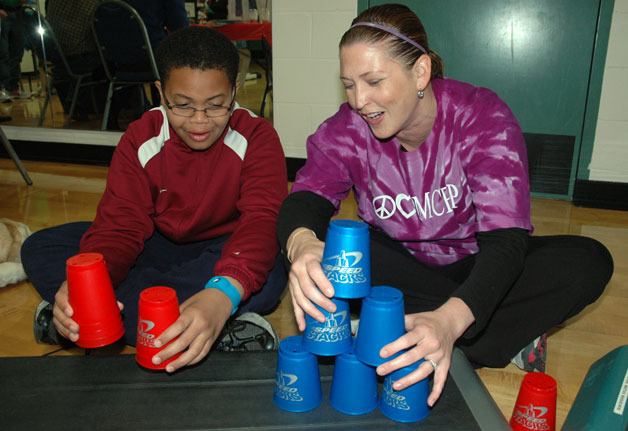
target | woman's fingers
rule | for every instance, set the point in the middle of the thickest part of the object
(307, 281)
(306, 295)
(319, 278)
(440, 376)
(298, 313)
(422, 372)
(425, 340)
(306, 306)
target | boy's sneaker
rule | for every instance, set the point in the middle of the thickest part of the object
(355, 324)
(532, 357)
(5, 97)
(19, 94)
(43, 328)
(247, 332)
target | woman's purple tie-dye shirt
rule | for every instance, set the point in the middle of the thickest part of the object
(470, 174)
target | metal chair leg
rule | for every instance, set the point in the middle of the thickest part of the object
(105, 115)
(9, 148)
(93, 97)
(77, 88)
(47, 102)
(42, 114)
(267, 90)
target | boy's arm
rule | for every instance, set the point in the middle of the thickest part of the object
(123, 221)
(250, 252)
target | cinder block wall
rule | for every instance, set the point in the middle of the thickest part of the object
(609, 161)
(306, 85)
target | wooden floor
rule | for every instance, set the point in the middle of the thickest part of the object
(63, 193)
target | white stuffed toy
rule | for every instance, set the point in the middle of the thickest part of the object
(12, 236)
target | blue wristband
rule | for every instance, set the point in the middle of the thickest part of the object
(225, 286)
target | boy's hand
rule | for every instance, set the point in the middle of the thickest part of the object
(202, 318)
(62, 313)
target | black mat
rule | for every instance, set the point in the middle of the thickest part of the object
(226, 391)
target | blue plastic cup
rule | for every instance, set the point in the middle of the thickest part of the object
(347, 258)
(409, 404)
(381, 322)
(332, 337)
(297, 381)
(354, 386)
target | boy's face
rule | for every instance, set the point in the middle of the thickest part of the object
(188, 88)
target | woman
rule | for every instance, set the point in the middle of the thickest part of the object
(439, 171)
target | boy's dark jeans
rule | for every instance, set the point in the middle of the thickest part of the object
(184, 267)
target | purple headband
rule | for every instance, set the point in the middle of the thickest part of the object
(390, 30)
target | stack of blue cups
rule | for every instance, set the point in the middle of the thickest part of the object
(346, 263)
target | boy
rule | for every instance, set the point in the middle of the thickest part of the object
(192, 196)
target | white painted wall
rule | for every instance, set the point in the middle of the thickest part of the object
(306, 88)
(609, 161)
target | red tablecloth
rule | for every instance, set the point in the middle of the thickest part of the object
(252, 30)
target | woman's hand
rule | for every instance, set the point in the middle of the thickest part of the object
(431, 336)
(307, 283)
(202, 318)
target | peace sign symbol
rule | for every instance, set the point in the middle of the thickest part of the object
(384, 206)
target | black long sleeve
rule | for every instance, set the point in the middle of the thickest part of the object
(497, 266)
(303, 209)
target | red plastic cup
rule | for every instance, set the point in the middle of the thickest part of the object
(535, 408)
(158, 309)
(94, 303)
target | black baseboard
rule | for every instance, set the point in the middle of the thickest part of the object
(91, 154)
(58, 152)
(601, 194)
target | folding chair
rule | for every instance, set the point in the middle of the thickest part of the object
(124, 48)
(50, 55)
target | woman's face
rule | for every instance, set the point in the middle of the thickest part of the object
(379, 88)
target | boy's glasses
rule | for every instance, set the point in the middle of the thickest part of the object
(210, 111)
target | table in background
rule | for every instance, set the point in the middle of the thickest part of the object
(243, 31)
(247, 31)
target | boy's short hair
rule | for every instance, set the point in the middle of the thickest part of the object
(197, 47)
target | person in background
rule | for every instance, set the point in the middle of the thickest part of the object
(439, 171)
(216, 9)
(11, 49)
(191, 202)
(160, 17)
(4, 61)
(71, 22)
